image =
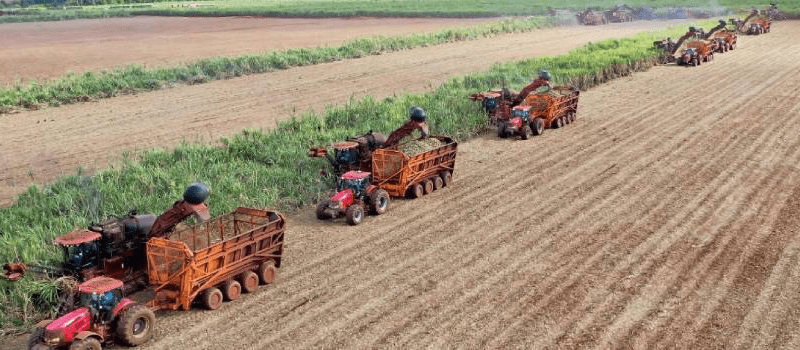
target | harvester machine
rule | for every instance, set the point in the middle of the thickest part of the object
(773, 13)
(591, 17)
(496, 103)
(355, 153)
(116, 247)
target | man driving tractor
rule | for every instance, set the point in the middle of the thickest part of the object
(542, 80)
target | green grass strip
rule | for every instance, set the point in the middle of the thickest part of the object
(74, 88)
(266, 169)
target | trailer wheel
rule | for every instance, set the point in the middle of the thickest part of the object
(249, 281)
(321, 214)
(437, 182)
(135, 325)
(447, 178)
(428, 184)
(212, 298)
(267, 272)
(355, 214)
(525, 132)
(86, 344)
(571, 117)
(232, 290)
(379, 201)
(537, 126)
(416, 191)
(557, 123)
(695, 62)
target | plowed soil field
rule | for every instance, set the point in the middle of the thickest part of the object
(666, 216)
(46, 50)
(38, 146)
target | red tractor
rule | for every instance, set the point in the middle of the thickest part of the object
(104, 316)
(520, 124)
(354, 193)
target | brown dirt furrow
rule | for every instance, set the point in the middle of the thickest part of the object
(636, 227)
(97, 132)
(633, 200)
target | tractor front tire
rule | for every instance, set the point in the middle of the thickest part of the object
(321, 210)
(355, 214)
(37, 338)
(525, 133)
(501, 131)
(379, 201)
(136, 325)
(86, 344)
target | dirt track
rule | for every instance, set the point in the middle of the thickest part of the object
(671, 222)
(46, 50)
(38, 146)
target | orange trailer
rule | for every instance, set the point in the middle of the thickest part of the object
(399, 173)
(215, 260)
(554, 110)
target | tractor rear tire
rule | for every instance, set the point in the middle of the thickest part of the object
(267, 272)
(428, 186)
(447, 178)
(136, 325)
(437, 182)
(321, 207)
(379, 201)
(416, 191)
(525, 133)
(249, 281)
(537, 126)
(86, 344)
(355, 214)
(232, 290)
(212, 298)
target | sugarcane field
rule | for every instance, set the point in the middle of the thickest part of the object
(359, 174)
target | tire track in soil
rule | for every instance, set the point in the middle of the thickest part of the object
(358, 315)
(98, 132)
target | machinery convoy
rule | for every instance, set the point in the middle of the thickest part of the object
(216, 260)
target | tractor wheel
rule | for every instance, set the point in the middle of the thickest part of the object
(86, 344)
(355, 214)
(501, 131)
(136, 324)
(428, 186)
(232, 290)
(447, 178)
(379, 201)
(249, 281)
(212, 298)
(437, 182)
(321, 214)
(267, 272)
(537, 126)
(416, 191)
(525, 132)
(37, 338)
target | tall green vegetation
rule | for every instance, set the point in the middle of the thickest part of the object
(91, 85)
(267, 168)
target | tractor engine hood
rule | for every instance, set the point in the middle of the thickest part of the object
(516, 122)
(63, 330)
(342, 199)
